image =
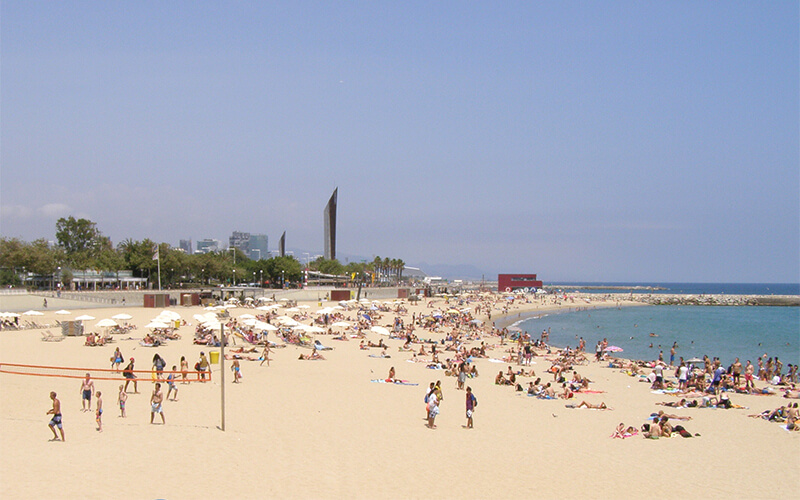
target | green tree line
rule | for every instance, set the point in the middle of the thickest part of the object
(82, 246)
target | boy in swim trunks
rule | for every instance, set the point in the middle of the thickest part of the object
(99, 413)
(87, 389)
(56, 420)
(155, 403)
(121, 399)
(171, 384)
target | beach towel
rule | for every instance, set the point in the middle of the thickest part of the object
(378, 356)
(587, 391)
(396, 382)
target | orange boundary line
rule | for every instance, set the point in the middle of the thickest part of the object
(147, 375)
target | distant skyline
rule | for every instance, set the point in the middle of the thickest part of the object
(585, 141)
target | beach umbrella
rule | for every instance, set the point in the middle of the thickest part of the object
(10, 315)
(293, 310)
(250, 322)
(106, 323)
(84, 317)
(265, 299)
(613, 348)
(155, 324)
(380, 330)
(169, 315)
(694, 360)
(122, 316)
(315, 329)
(260, 325)
(62, 311)
(247, 316)
(33, 313)
(248, 299)
(341, 324)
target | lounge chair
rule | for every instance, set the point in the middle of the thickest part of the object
(49, 337)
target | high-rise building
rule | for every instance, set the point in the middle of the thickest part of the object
(282, 245)
(186, 246)
(329, 219)
(207, 246)
(241, 241)
(258, 247)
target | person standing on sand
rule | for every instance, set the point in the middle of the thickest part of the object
(121, 399)
(99, 414)
(56, 420)
(155, 404)
(737, 372)
(472, 402)
(87, 389)
(433, 408)
(127, 372)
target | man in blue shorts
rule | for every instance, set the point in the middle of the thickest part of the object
(87, 390)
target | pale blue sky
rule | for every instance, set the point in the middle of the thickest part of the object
(599, 141)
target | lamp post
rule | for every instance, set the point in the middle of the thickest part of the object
(234, 276)
(283, 280)
(261, 278)
(202, 275)
(254, 276)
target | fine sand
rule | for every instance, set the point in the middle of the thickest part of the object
(322, 429)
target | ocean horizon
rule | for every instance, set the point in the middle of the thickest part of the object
(679, 288)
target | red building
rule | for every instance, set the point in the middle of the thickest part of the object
(511, 282)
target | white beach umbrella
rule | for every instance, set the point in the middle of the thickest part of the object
(84, 317)
(62, 311)
(300, 326)
(250, 322)
(122, 316)
(265, 299)
(303, 306)
(169, 315)
(106, 323)
(380, 330)
(155, 324)
(342, 324)
(293, 310)
(33, 313)
(324, 310)
(315, 329)
(247, 316)
(260, 325)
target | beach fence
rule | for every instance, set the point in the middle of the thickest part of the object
(104, 373)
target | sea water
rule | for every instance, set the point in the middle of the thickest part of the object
(685, 288)
(727, 332)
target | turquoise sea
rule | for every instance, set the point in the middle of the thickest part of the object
(727, 332)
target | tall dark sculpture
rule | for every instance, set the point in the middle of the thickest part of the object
(282, 245)
(329, 219)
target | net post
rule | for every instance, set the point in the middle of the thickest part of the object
(222, 375)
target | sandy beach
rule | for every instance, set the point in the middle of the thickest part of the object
(323, 429)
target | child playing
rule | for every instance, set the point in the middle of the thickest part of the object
(123, 396)
(99, 413)
(237, 371)
(171, 384)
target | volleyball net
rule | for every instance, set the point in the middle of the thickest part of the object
(106, 373)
